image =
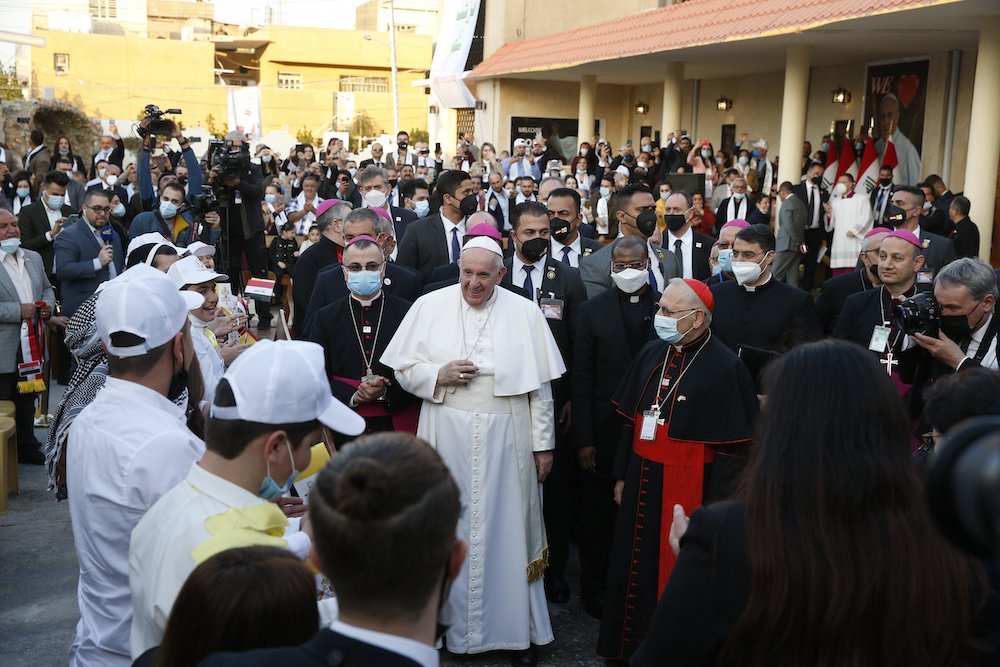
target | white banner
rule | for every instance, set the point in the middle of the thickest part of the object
(458, 25)
(244, 111)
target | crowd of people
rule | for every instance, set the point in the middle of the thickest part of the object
(654, 388)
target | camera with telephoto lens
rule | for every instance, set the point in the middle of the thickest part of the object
(231, 160)
(157, 123)
(920, 314)
(204, 202)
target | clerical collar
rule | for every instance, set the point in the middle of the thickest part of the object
(696, 343)
(367, 302)
(770, 278)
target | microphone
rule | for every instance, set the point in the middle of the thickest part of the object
(106, 233)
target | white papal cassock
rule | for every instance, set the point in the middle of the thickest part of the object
(486, 432)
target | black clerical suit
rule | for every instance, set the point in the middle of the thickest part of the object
(613, 327)
(771, 318)
(562, 286)
(317, 257)
(834, 294)
(334, 329)
(965, 237)
(326, 649)
(704, 424)
(330, 286)
(424, 247)
(815, 232)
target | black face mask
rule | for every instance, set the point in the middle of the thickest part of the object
(894, 216)
(873, 269)
(468, 205)
(403, 145)
(182, 180)
(534, 249)
(817, 179)
(956, 327)
(646, 223)
(178, 384)
(561, 229)
(885, 182)
(392, 182)
(675, 222)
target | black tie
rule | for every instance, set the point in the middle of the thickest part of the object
(529, 287)
(678, 244)
(812, 205)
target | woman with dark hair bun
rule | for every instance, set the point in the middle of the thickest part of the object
(238, 600)
(828, 556)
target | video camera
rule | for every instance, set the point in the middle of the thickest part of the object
(963, 486)
(920, 314)
(231, 160)
(205, 202)
(157, 123)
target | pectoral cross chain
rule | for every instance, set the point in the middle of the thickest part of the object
(890, 363)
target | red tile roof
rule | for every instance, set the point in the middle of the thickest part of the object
(692, 23)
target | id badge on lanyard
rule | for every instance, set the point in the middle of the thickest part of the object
(649, 422)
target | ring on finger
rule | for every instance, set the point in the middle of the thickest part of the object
(461, 376)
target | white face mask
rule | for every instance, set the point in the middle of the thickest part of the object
(840, 189)
(375, 199)
(747, 272)
(630, 280)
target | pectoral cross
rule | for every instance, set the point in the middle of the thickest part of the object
(369, 376)
(890, 363)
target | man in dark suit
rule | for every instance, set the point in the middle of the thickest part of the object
(330, 285)
(613, 327)
(734, 207)
(74, 188)
(400, 481)
(836, 290)
(497, 201)
(934, 219)
(810, 192)
(881, 194)
(437, 240)
(41, 221)
(964, 233)
(112, 150)
(23, 283)
(904, 212)
(326, 252)
(565, 218)
(374, 192)
(88, 252)
(375, 160)
(38, 160)
(690, 247)
(414, 198)
(595, 269)
(792, 221)
(559, 291)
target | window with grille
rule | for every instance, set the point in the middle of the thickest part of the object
(60, 63)
(104, 9)
(364, 84)
(290, 80)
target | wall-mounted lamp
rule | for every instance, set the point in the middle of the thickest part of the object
(723, 103)
(642, 108)
(841, 96)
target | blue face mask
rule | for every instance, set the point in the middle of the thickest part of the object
(23, 192)
(717, 268)
(605, 191)
(364, 283)
(269, 489)
(10, 245)
(743, 160)
(270, 199)
(666, 328)
(726, 260)
(119, 210)
(422, 208)
(265, 158)
(168, 209)
(665, 195)
(56, 201)
(755, 153)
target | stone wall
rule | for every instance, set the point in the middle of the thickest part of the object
(54, 119)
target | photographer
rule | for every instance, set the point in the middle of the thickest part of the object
(149, 197)
(240, 191)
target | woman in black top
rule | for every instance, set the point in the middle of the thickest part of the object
(829, 556)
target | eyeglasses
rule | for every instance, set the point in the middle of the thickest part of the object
(621, 266)
(100, 209)
(357, 268)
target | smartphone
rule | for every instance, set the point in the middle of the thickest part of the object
(437, 146)
(628, 142)
(71, 219)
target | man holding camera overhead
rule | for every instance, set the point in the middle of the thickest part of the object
(240, 189)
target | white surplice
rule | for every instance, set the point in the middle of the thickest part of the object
(486, 433)
(850, 219)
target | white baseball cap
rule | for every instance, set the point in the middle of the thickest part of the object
(157, 240)
(143, 302)
(190, 271)
(520, 142)
(199, 249)
(622, 169)
(760, 143)
(284, 382)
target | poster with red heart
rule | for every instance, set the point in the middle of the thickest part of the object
(895, 101)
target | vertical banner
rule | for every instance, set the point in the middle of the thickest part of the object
(244, 111)
(895, 101)
(458, 25)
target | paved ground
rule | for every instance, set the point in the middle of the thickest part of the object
(38, 575)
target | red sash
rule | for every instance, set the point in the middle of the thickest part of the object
(403, 419)
(683, 483)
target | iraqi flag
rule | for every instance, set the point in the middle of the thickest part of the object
(890, 160)
(869, 167)
(848, 160)
(830, 172)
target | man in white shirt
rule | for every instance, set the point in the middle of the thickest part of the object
(126, 449)
(385, 500)
(520, 163)
(568, 245)
(690, 247)
(257, 440)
